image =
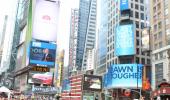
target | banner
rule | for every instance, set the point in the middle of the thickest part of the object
(124, 76)
(124, 40)
(145, 40)
(44, 90)
(42, 54)
(45, 22)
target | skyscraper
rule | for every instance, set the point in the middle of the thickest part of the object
(73, 39)
(86, 31)
(102, 38)
(160, 36)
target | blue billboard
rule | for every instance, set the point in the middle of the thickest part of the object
(124, 40)
(124, 5)
(66, 85)
(42, 54)
(124, 76)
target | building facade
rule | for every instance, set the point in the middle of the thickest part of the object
(73, 39)
(138, 18)
(160, 36)
(102, 38)
(86, 36)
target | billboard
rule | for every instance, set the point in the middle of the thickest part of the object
(124, 76)
(93, 83)
(145, 40)
(42, 54)
(44, 90)
(40, 77)
(124, 5)
(88, 97)
(124, 40)
(45, 20)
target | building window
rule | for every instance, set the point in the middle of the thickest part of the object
(166, 11)
(137, 51)
(143, 60)
(158, 73)
(131, 5)
(137, 42)
(141, 1)
(137, 60)
(166, 21)
(161, 55)
(160, 35)
(159, 25)
(156, 56)
(160, 44)
(131, 13)
(142, 25)
(136, 15)
(137, 33)
(148, 61)
(137, 24)
(142, 8)
(136, 6)
(142, 16)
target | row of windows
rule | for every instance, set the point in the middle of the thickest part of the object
(137, 7)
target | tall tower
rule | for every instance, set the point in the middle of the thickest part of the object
(73, 39)
(160, 35)
(86, 31)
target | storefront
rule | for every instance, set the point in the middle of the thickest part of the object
(162, 92)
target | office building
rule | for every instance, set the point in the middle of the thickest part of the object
(160, 36)
(138, 18)
(86, 36)
(73, 39)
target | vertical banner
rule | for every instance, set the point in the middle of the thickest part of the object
(124, 40)
(45, 20)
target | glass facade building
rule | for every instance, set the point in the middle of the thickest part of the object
(86, 31)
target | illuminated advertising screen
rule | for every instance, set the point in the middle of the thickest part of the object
(40, 77)
(92, 82)
(124, 40)
(45, 20)
(124, 76)
(42, 54)
(124, 5)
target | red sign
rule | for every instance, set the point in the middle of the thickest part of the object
(161, 91)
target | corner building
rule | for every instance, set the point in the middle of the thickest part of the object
(160, 36)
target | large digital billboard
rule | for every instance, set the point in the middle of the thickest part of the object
(40, 77)
(124, 40)
(124, 5)
(92, 82)
(42, 54)
(45, 21)
(124, 76)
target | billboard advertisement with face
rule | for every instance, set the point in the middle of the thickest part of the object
(45, 20)
(40, 77)
(42, 54)
(92, 82)
(124, 40)
(124, 76)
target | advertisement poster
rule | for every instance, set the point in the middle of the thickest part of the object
(124, 5)
(124, 40)
(145, 40)
(119, 74)
(92, 82)
(45, 21)
(66, 85)
(42, 54)
(40, 77)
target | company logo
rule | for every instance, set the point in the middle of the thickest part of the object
(46, 17)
